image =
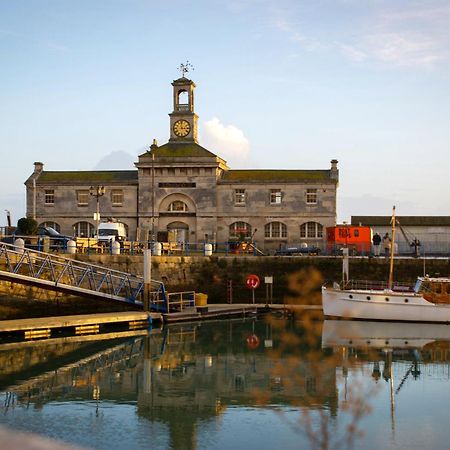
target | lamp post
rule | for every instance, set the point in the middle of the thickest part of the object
(97, 192)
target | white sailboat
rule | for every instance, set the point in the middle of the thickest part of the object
(427, 301)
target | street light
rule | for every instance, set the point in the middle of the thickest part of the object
(97, 192)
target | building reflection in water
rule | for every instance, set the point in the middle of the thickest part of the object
(182, 375)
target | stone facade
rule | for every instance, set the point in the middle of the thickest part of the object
(185, 193)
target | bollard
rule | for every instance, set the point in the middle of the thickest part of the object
(19, 243)
(157, 248)
(115, 248)
(71, 247)
(208, 249)
(46, 244)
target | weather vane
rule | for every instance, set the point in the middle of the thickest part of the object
(185, 68)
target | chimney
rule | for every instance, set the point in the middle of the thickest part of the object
(38, 167)
(334, 172)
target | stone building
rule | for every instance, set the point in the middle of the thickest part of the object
(433, 232)
(183, 192)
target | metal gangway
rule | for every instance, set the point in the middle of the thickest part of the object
(56, 273)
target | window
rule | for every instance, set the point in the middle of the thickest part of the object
(183, 171)
(275, 196)
(117, 197)
(239, 196)
(240, 230)
(311, 196)
(275, 230)
(195, 171)
(53, 225)
(170, 171)
(83, 197)
(83, 229)
(49, 197)
(177, 206)
(311, 230)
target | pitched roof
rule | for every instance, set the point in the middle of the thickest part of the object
(403, 220)
(88, 177)
(179, 150)
(288, 176)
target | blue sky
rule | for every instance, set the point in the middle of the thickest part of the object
(286, 84)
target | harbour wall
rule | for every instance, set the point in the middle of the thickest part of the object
(295, 279)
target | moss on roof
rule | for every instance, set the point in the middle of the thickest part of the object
(177, 150)
(403, 220)
(94, 176)
(275, 175)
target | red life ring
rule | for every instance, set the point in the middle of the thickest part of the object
(252, 341)
(252, 281)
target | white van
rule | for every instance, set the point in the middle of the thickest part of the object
(111, 231)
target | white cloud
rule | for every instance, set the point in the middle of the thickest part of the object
(226, 141)
(394, 34)
(352, 53)
(116, 160)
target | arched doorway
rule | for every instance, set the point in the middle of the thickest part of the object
(178, 232)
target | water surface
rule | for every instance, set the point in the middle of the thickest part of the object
(241, 384)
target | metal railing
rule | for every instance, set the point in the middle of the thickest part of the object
(90, 245)
(179, 301)
(369, 285)
(55, 272)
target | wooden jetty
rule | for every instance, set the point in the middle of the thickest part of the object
(44, 327)
(84, 324)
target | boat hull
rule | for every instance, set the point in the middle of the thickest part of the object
(382, 305)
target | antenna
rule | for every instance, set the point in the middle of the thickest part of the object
(185, 68)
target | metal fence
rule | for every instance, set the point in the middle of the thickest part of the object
(93, 246)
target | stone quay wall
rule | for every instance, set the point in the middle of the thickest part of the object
(295, 279)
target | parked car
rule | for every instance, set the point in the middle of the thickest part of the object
(298, 251)
(57, 240)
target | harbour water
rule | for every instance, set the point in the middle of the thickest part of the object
(264, 384)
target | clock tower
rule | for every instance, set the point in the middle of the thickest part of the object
(183, 120)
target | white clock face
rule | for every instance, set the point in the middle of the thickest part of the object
(181, 128)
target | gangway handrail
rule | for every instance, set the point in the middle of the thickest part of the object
(64, 274)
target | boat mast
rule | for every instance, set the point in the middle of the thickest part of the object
(391, 266)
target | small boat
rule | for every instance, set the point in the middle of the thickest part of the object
(427, 301)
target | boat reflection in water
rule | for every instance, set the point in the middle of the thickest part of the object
(398, 353)
(382, 335)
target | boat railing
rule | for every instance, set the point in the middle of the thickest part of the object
(370, 285)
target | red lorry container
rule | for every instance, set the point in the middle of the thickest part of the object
(357, 239)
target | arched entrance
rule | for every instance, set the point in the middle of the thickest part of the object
(178, 232)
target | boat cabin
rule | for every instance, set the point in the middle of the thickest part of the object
(435, 290)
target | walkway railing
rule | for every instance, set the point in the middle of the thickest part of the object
(369, 285)
(178, 301)
(54, 272)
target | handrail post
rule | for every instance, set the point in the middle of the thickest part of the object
(147, 278)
